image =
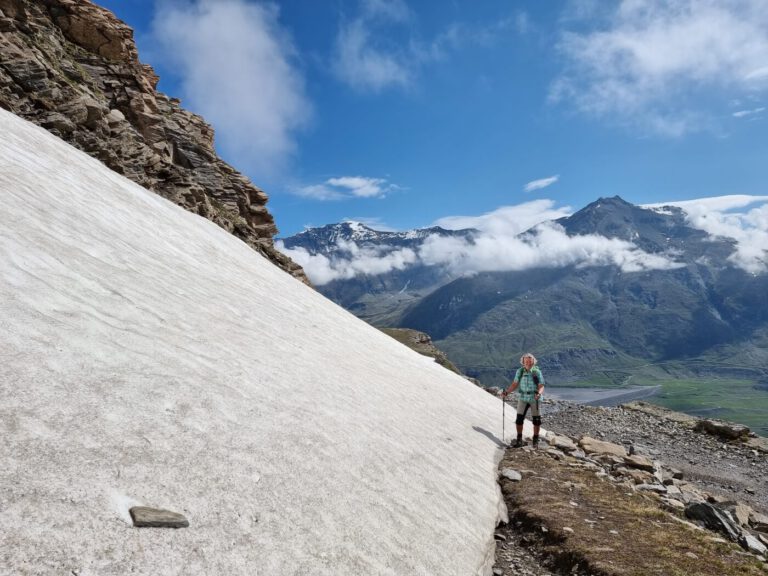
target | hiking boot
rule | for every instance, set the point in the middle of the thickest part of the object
(535, 442)
(518, 443)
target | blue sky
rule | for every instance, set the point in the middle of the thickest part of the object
(403, 114)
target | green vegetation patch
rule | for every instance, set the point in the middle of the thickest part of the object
(733, 400)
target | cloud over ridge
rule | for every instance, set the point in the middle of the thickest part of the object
(525, 236)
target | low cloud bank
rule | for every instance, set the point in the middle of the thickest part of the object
(499, 244)
(495, 246)
(350, 260)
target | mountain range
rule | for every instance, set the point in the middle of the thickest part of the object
(683, 309)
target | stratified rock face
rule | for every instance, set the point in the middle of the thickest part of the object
(73, 68)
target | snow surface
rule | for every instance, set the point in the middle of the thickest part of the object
(147, 356)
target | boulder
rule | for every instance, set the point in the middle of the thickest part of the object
(561, 442)
(713, 518)
(593, 446)
(752, 544)
(740, 512)
(639, 462)
(511, 474)
(725, 430)
(758, 521)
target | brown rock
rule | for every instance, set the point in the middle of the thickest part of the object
(640, 462)
(725, 430)
(740, 512)
(758, 521)
(561, 442)
(593, 446)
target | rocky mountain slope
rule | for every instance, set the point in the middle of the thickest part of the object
(635, 490)
(72, 67)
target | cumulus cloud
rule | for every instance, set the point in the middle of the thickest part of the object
(547, 246)
(496, 244)
(350, 260)
(347, 187)
(648, 59)
(237, 68)
(541, 183)
(725, 216)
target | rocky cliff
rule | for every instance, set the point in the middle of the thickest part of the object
(72, 67)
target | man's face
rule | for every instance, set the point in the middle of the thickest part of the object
(528, 362)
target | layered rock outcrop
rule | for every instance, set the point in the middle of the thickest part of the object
(72, 67)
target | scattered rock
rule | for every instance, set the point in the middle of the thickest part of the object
(726, 430)
(561, 442)
(593, 446)
(511, 474)
(640, 462)
(713, 518)
(752, 544)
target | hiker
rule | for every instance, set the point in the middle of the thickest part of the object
(531, 383)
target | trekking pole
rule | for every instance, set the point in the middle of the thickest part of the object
(503, 417)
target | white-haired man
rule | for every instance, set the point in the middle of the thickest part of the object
(530, 381)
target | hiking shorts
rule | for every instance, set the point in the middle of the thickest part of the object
(522, 407)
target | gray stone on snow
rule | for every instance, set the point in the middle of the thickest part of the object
(144, 517)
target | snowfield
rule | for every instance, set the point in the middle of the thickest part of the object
(148, 357)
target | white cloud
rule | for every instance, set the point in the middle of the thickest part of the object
(350, 260)
(347, 187)
(718, 216)
(646, 66)
(496, 246)
(547, 246)
(753, 112)
(541, 183)
(236, 66)
(364, 66)
(508, 220)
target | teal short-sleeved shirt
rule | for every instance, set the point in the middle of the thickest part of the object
(527, 387)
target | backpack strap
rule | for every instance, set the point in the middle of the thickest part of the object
(535, 375)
